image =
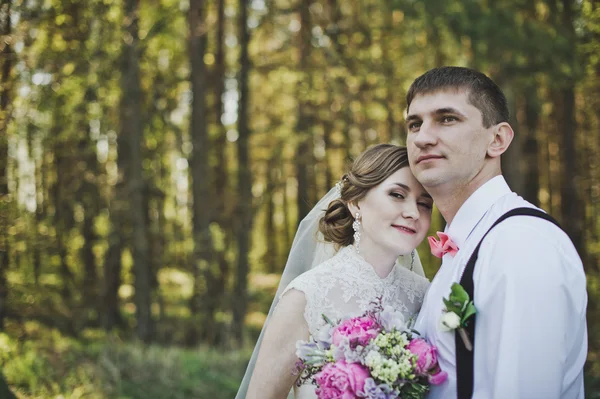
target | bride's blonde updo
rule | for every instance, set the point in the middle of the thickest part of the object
(370, 169)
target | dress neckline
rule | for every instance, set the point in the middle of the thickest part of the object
(350, 250)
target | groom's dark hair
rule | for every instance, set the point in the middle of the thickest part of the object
(482, 92)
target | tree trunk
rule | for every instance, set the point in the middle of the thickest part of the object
(530, 147)
(87, 193)
(40, 176)
(271, 256)
(112, 261)
(221, 175)
(287, 225)
(329, 150)
(88, 196)
(118, 239)
(5, 110)
(90, 275)
(550, 179)
(302, 200)
(244, 205)
(512, 160)
(394, 132)
(572, 209)
(304, 149)
(201, 175)
(132, 127)
(63, 212)
(222, 208)
(5, 392)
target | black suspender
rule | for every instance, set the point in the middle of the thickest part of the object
(464, 357)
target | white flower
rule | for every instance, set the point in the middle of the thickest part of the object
(392, 319)
(324, 334)
(310, 353)
(373, 359)
(449, 321)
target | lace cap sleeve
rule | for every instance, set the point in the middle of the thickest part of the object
(306, 284)
(300, 283)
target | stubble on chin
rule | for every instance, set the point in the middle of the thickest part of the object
(429, 177)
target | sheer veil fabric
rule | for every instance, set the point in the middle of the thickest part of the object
(309, 250)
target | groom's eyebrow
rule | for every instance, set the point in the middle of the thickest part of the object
(439, 111)
(448, 110)
(412, 117)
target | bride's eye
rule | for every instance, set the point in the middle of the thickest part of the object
(397, 195)
(426, 205)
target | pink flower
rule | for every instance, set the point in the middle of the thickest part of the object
(443, 246)
(358, 330)
(438, 377)
(426, 354)
(341, 380)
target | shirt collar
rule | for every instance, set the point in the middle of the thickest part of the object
(475, 207)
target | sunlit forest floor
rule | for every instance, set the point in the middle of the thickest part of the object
(41, 363)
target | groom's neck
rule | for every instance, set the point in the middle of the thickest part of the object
(449, 198)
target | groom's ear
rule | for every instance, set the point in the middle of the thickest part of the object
(503, 136)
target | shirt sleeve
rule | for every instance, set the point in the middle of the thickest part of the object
(530, 295)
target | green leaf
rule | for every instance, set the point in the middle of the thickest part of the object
(451, 306)
(458, 293)
(470, 311)
(327, 320)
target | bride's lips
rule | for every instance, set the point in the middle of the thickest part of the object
(425, 158)
(404, 229)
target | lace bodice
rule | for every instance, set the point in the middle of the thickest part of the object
(346, 285)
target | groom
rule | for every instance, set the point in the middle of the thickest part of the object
(528, 283)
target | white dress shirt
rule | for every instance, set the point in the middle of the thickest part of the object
(530, 296)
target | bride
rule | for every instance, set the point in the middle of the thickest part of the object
(377, 213)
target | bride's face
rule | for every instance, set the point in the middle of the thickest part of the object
(396, 214)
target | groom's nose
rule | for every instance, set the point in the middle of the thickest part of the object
(426, 136)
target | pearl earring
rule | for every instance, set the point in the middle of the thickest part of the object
(356, 227)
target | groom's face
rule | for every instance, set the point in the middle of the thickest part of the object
(447, 142)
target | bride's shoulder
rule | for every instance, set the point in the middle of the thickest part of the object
(312, 279)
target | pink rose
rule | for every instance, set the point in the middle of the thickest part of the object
(341, 380)
(358, 330)
(438, 377)
(426, 354)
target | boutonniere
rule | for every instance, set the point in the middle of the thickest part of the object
(459, 308)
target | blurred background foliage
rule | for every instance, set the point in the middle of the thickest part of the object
(156, 157)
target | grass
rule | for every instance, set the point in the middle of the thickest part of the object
(592, 376)
(53, 366)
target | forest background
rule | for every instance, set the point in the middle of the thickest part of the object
(156, 157)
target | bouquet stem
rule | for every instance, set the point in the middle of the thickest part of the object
(465, 338)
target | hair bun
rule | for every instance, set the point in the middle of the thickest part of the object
(336, 224)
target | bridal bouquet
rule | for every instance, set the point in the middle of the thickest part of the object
(372, 356)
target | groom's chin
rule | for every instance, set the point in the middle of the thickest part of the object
(431, 177)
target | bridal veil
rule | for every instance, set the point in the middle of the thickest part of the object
(309, 249)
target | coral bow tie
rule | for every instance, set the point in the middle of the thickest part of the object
(442, 247)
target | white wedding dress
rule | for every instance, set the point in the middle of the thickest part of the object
(346, 285)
